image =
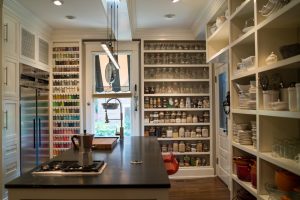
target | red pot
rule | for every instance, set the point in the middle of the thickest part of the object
(243, 172)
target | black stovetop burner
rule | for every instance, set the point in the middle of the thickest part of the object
(69, 166)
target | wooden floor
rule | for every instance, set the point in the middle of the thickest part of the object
(199, 189)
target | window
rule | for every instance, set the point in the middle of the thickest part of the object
(118, 89)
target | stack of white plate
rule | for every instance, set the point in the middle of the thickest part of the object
(236, 128)
(243, 100)
(245, 137)
(253, 129)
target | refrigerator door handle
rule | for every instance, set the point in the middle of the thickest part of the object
(34, 133)
(40, 135)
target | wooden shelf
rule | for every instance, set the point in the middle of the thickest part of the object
(183, 139)
(284, 163)
(221, 34)
(289, 63)
(244, 111)
(176, 80)
(176, 65)
(186, 153)
(246, 185)
(247, 148)
(246, 38)
(285, 114)
(179, 124)
(174, 51)
(241, 75)
(244, 9)
(176, 109)
(219, 53)
(177, 95)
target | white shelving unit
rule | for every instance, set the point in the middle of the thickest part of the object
(267, 35)
(166, 64)
(65, 94)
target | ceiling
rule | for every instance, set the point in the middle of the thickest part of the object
(146, 14)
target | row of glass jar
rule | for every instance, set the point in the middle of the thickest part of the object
(186, 161)
(174, 132)
(176, 73)
(182, 147)
(175, 87)
(56, 89)
(187, 102)
(174, 58)
(174, 46)
(176, 117)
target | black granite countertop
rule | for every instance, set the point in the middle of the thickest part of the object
(119, 172)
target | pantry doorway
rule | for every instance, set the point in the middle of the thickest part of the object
(222, 139)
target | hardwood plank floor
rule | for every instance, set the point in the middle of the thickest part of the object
(199, 189)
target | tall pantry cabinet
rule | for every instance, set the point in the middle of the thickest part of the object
(10, 105)
(253, 31)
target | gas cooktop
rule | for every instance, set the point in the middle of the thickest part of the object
(69, 168)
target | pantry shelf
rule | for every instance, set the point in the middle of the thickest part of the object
(247, 148)
(183, 139)
(247, 185)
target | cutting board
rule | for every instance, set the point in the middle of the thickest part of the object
(104, 143)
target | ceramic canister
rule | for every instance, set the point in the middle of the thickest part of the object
(292, 99)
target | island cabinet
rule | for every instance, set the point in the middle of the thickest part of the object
(121, 179)
(260, 38)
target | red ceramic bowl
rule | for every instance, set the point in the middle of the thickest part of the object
(243, 172)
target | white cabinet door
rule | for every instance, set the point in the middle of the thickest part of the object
(10, 78)
(10, 140)
(10, 36)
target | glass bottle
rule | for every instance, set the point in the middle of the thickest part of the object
(178, 117)
(167, 117)
(183, 118)
(175, 146)
(189, 118)
(181, 132)
(181, 147)
(175, 133)
(161, 117)
(169, 132)
(173, 117)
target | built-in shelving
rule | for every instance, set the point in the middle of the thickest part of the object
(179, 75)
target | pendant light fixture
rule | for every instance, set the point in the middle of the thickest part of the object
(113, 65)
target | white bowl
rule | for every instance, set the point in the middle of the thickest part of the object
(279, 105)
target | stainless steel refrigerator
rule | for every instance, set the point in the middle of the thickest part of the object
(34, 117)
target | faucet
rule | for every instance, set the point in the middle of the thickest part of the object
(121, 133)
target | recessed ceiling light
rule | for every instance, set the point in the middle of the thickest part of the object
(175, 1)
(70, 17)
(58, 2)
(169, 16)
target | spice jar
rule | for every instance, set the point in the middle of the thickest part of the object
(165, 102)
(193, 147)
(175, 133)
(167, 117)
(155, 118)
(193, 133)
(183, 117)
(187, 133)
(205, 132)
(158, 103)
(199, 147)
(181, 147)
(181, 104)
(178, 117)
(195, 119)
(181, 132)
(170, 132)
(146, 103)
(161, 117)
(189, 118)
(175, 146)
(206, 117)
(173, 117)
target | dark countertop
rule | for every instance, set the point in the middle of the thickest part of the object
(119, 172)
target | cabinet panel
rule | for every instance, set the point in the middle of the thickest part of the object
(27, 45)
(10, 37)
(10, 140)
(10, 78)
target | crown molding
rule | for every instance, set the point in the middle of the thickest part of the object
(27, 18)
(199, 26)
(164, 34)
(79, 34)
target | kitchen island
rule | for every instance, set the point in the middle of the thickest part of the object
(121, 179)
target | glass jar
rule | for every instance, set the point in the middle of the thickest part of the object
(175, 147)
(146, 103)
(181, 147)
(165, 102)
(175, 133)
(181, 132)
(205, 132)
(188, 102)
(189, 118)
(173, 117)
(206, 117)
(205, 147)
(169, 132)
(164, 148)
(187, 133)
(151, 103)
(183, 117)
(193, 147)
(205, 102)
(158, 102)
(154, 103)
(151, 118)
(146, 119)
(155, 118)
(199, 147)
(176, 103)
(170, 147)
(193, 133)
(167, 117)
(181, 103)
(187, 147)
(161, 117)
(178, 117)
(195, 119)
(170, 103)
